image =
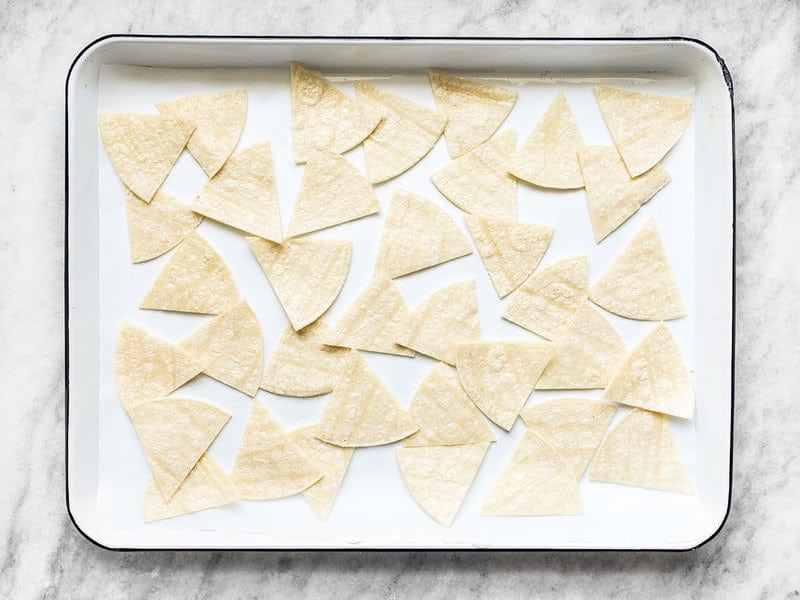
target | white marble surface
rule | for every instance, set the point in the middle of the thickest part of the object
(758, 552)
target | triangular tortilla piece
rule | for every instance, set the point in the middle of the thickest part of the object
(417, 235)
(479, 182)
(302, 365)
(586, 355)
(156, 228)
(547, 300)
(574, 427)
(610, 192)
(332, 192)
(644, 127)
(549, 156)
(206, 486)
(143, 148)
(474, 110)
(332, 460)
(147, 367)
(243, 194)
(510, 250)
(654, 377)
(361, 411)
(536, 482)
(447, 318)
(195, 280)
(229, 348)
(269, 464)
(375, 320)
(219, 118)
(406, 134)
(175, 433)
(639, 283)
(640, 450)
(306, 274)
(445, 414)
(439, 477)
(499, 376)
(324, 117)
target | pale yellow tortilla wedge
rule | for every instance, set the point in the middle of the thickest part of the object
(510, 250)
(302, 365)
(143, 148)
(156, 228)
(474, 110)
(375, 320)
(586, 355)
(574, 427)
(639, 283)
(640, 450)
(219, 119)
(361, 411)
(445, 414)
(644, 127)
(229, 348)
(547, 300)
(206, 486)
(147, 367)
(654, 377)
(175, 433)
(195, 280)
(499, 376)
(417, 235)
(306, 274)
(610, 192)
(324, 117)
(269, 464)
(447, 318)
(549, 156)
(332, 460)
(439, 477)
(243, 194)
(535, 482)
(406, 134)
(478, 182)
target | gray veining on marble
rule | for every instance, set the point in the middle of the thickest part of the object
(758, 552)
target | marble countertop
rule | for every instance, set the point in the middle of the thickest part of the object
(755, 555)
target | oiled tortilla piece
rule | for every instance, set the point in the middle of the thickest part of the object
(639, 283)
(644, 126)
(361, 411)
(439, 477)
(654, 376)
(143, 148)
(474, 110)
(156, 228)
(536, 482)
(325, 118)
(640, 450)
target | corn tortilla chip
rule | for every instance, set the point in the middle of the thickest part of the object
(654, 377)
(417, 235)
(474, 110)
(439, 477)
(639, 284)
(499, 376)
(306, 274)
(478, 182)
(447, 318)
(640, 450)
(243, 195)
(195, 280)
(143, 148)
(361, 411)
(644, 127)
(406, 134)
